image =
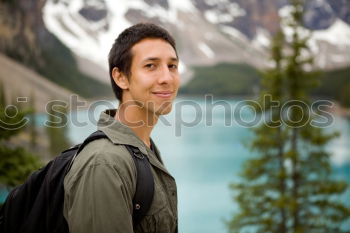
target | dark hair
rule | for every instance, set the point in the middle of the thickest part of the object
(120, 55)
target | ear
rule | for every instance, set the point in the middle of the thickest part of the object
(120, 79)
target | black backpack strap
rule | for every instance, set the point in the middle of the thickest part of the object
(94, 136)
(144, 185)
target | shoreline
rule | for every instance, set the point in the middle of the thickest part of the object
(339, 110)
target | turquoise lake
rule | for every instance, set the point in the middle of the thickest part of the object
(205, 158)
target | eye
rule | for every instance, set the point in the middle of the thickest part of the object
(172, 66)
(150, 66)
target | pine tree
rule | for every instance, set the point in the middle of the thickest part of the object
(263, 196)
(287, 188)
(12, 115)
(313, 207)
(15, 163)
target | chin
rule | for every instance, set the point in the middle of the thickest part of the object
(164, 110)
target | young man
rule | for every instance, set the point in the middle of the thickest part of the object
(101, 184)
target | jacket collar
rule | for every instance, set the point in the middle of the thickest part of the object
(121, 134)
(117, 132)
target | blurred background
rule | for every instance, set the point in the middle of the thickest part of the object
(230, 178)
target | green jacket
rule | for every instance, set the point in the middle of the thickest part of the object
(101, 184)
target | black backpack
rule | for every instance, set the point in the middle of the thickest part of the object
(37, 205)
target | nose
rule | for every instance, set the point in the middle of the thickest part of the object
(166, 76)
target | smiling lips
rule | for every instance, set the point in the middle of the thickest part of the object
(163, 94)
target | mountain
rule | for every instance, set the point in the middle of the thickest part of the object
(25, 38)
(207, 31)
(67, 41)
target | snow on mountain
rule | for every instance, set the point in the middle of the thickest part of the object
(206, 50)
(338, 33)
(330, 46)
(206, 31)
(87, 38)
(89, 27)
(91, 38)
(223, 11)
(262, 38)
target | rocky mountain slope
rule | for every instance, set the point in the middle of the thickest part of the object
(23, 83)
(25, 38)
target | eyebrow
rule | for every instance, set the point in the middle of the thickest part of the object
(157, 59)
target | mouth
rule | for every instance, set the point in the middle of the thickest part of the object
(163, 94)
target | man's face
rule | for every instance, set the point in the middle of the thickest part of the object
(154, 79)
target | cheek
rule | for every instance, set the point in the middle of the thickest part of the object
(177, 81)
(148, 83)
(143, 82)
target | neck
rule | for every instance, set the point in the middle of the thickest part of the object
(139, 120)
